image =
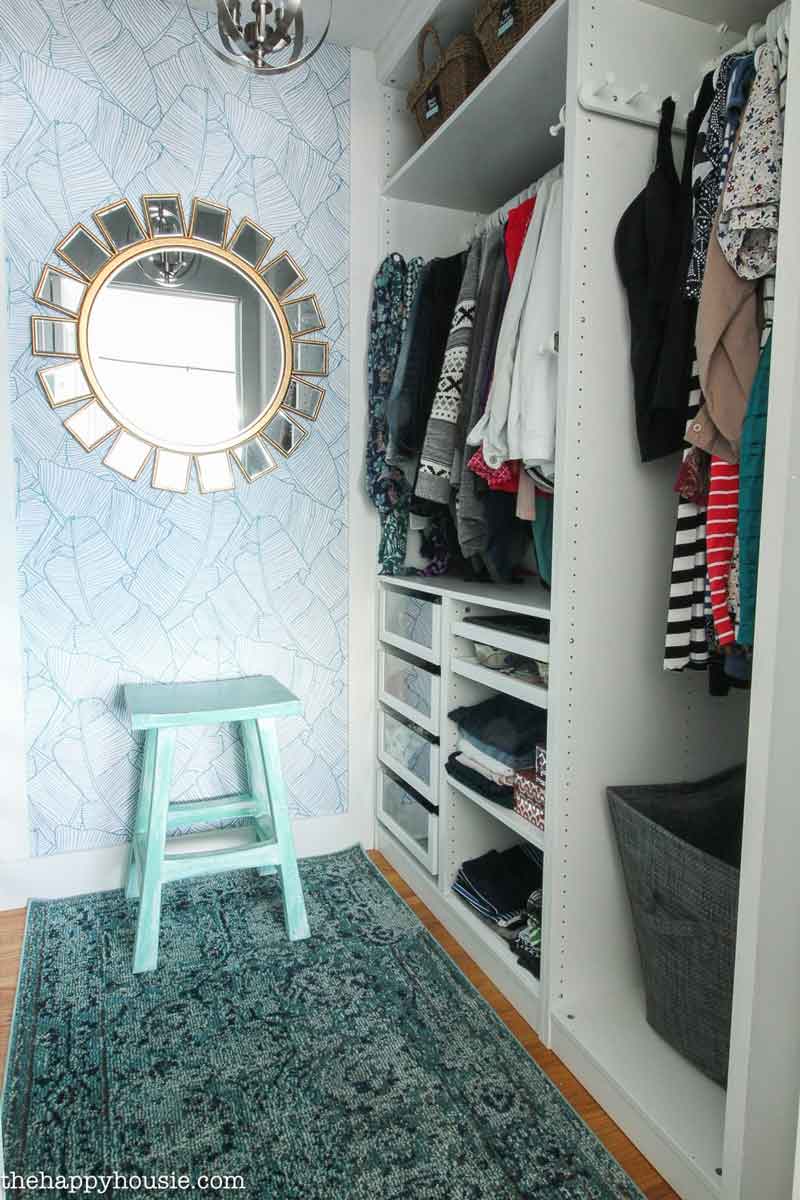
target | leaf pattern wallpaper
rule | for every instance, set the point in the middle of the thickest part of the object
(119, 582)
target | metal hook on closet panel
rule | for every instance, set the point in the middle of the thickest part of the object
(555, 130)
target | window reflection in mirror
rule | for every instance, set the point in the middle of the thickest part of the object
(188, 362)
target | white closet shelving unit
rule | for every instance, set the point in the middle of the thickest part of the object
(614, 716)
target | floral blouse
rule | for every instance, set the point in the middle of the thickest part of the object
(748, 225)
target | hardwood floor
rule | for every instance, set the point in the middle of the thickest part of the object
(12, 926)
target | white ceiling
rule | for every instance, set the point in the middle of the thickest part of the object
(364, 23)
(360, 23)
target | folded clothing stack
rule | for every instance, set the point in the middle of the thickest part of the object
(498, 884)
(527, 944)
(480, 779)
(504, 729)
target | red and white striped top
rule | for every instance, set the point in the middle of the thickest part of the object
(721, 526)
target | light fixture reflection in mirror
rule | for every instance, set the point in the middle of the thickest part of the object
(181, 353)
(168, 268)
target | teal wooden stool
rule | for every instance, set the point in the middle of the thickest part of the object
(161, 709)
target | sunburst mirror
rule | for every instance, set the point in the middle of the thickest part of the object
(180, 343)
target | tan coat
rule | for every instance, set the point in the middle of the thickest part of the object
(728, 350)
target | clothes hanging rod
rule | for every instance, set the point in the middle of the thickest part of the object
(757, 35)
(496, 219)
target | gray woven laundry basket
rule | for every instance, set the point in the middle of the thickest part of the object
(681, 846)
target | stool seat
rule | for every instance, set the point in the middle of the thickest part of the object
(254, 703)
(161, 705)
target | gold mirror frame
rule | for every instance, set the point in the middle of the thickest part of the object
(93, 418)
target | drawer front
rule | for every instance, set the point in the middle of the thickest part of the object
(414, 826)
(409, 689)
(409, 754)
(412, 623)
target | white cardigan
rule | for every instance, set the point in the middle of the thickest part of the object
(534, 388)
(519, 422)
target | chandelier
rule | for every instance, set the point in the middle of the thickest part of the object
(272, 42)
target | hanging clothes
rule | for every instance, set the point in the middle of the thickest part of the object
(415, 384)
(471, 517)
(387, 486)
(531, 422)
(517, 225)
(706, 176)
(728, 348)
(748, 222)
(738, 90)
(647, 244)
(436, 462)
(492, 428)
(686, 639)
(506, 478)
(406, 383)
(721, 528)
(751, 487)
(686, 643)
(543, 538)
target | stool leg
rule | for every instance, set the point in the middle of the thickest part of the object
(142, 811)
(145, 954)
(294, 905)
(257, 782)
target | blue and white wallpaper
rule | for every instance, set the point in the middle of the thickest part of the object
(119, 582)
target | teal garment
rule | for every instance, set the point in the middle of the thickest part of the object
(751, 487)
(543, 536)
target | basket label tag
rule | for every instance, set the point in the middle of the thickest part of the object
(508, 17)
(433, 104)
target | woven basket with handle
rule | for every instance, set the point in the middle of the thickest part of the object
(441, 87)
(499, 24)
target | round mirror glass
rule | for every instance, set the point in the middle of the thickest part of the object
(186, 349)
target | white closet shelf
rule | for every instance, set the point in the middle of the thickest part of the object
(493, 942)
(466, 164)
(531, 598)
(514, 643)
(470, 668)
(611, 1039)
(506, 816)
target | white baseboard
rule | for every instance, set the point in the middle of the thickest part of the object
(57, 875)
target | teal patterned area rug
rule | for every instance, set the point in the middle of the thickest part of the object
(359, 1065)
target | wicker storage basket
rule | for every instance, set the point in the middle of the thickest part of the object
(499, 24)
(447, 82)
(680, 847)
